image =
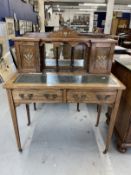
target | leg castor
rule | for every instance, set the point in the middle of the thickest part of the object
(121, 149)
(105, 151)
(20, 150)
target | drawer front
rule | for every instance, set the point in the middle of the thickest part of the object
(85, 96)
(48, 96)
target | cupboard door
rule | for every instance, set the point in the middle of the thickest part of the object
(101, 56)
(28, 56)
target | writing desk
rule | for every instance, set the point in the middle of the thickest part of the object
(64, 88)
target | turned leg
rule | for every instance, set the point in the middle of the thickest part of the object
(14, 119)
(28, 114)
(98, 115)
(35, 106)
(78, 107)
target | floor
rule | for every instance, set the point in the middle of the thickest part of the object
(60, 141)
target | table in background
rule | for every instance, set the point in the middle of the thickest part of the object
(122, 70)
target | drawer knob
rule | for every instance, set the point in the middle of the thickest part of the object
(50, 96)
(102, 98)
(29, 96)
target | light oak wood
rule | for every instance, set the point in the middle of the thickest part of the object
(14, 119)
(113, 119)
(90, 97)
(97, 53)
(28, 96)
(99, 93)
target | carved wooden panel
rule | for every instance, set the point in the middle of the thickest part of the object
(64, 33)
(101, 56)
(28, 56)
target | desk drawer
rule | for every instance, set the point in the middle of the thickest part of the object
(87, 96)
(48, 96)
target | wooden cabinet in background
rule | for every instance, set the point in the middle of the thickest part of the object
(118, 25)
(122, 70)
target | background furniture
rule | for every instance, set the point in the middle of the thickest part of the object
(122, 70)
(119, 25)
(127, 41)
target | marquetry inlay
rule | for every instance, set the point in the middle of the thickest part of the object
(101, 61)
(28, 55)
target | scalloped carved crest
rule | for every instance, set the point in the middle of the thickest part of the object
(65, 33)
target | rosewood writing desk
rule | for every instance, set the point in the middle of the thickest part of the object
(64, 88)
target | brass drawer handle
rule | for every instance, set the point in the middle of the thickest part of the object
(79, 98)
(29, 96)
(102, 98)
(21, 96)
(50, 96)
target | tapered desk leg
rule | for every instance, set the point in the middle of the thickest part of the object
(35, 106)
(14, 119)
(28, 114)
(98, 115)
(78, 107)
(97, 107)
(112, 120)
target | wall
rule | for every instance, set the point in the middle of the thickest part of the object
(23, 10)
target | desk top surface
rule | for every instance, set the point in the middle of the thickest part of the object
(120, 48)
(64, 80)
(124, 60)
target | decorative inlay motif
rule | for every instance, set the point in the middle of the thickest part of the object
(79, 97)
(101, 61)
(65, 34)
(28, 57)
